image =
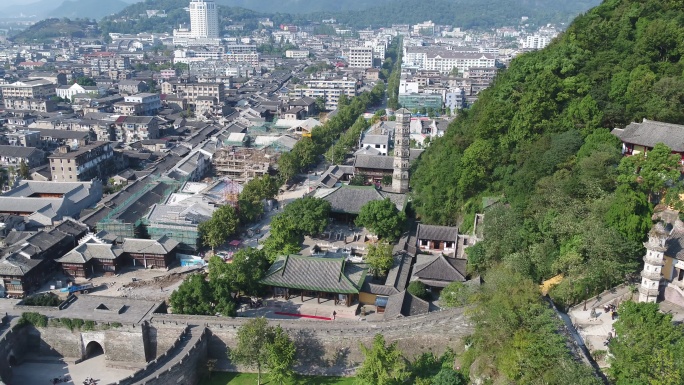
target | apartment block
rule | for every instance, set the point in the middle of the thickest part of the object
(84, 164)
(33, 89)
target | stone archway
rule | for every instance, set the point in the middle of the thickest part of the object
(93, 349)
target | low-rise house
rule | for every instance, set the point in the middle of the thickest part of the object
(24, 138)
(93, 254)
(44, 203)
(378, 142)
(437, 239)
(151, 253)
(26, 104)
(346, 201)
(132, 86)
(130, 129)
(16, 155)
(28, 265)
(437, 271)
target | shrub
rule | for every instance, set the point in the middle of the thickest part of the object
(418, 289)
(45, 299)
(35, 319)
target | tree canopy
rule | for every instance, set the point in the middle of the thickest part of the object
(262, 346)
(223, 223)
(382, 218)
(382, 365)
(647, 347)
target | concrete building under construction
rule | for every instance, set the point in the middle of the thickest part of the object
(243, 164)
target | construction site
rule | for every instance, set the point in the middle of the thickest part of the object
(243, 164)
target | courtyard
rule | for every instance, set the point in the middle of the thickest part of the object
(43, 369)
(223, 378)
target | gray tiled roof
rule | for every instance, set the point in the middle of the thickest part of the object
(375, 139)
(378, 162)
(350, 199)
(332, 275)
(437, 233)
(161, 246)
(18, 152)
(649, 133)
(87, 251)
(438, 271)
(405, 304)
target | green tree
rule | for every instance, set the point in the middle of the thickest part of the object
(193, 296)
(84, 81)
(382, 218)
(320, 104)
(253, 340)
(281, 356)
(252, 196)
(223, 223)
(652, 171)
(380, 259)
(455, 294)
(284, 237)
(448, 376)
(646, 347)
(24, 170)
(309, 215)
(419, 289)
(382, 365)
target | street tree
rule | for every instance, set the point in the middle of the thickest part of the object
(223, 223)
(193, 296)
(253, 340)
(382, 365)
(281, 356)
(380, 259)
(252, 196)
(382, 218)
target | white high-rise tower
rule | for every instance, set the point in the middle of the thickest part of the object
(204, 19)
(653, 264)
(400, 176)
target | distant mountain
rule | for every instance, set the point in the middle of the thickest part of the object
(302, 6)
(39, 9)
(89, 9)
(50, 29)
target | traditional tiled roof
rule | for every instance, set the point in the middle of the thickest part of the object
(649, 133)
(439, 271)
(331, 275)
(405, 304)
(87, 251)
(437, 233)
(161, 246)
(378, 162)
(350, 199)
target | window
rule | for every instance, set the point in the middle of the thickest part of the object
(423, 242)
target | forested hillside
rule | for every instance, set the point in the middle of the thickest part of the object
(358, 13)
(462, 13)
(536, 138)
